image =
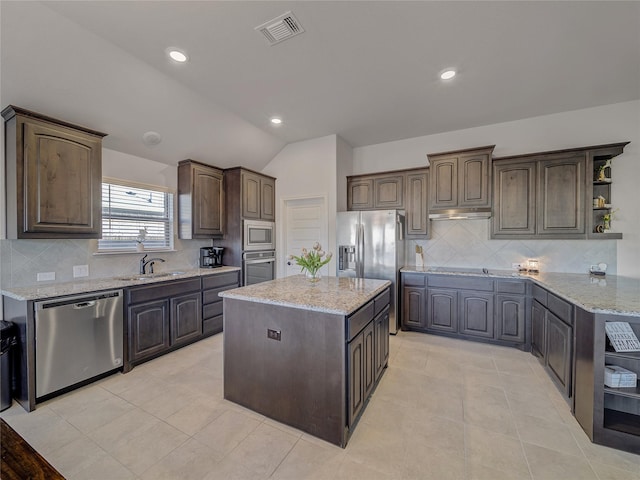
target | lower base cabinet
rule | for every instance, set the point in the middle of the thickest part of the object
(148, 329)
(168, 315)
(212, 285)
(186, 321)
(472, 307)
(162, 316)
(558, 354)
(538, 333)
(609, 416)
(367, 352)
(511, 318)
(442, 310)
(476, 314)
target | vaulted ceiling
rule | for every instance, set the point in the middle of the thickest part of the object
(367, 71)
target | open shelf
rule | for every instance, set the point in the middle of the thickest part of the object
(631, 392)
(622, 421)
(627, 355)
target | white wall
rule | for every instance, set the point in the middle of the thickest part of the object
(138, 169)
(344, 167)
(593, 126)
(306, 169)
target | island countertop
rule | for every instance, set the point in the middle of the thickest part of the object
(330, 295)
(610, 294)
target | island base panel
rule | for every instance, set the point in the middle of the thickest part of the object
(298, 380)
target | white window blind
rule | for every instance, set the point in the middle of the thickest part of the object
(129, 208)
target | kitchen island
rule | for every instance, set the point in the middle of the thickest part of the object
(307, 355)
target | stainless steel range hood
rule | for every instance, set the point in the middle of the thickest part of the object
(461, 214)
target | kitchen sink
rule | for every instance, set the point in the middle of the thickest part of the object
(150, 276)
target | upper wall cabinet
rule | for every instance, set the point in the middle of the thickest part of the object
(250, 194)
(561, 197)
(200, 200)
(53, 177)
(549, 195)
(401, 189)
(383, 191)
(460, 179)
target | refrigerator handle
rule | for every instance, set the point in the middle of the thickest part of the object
(360, 273)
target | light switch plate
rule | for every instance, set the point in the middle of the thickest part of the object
(46, 276)
(80, 271)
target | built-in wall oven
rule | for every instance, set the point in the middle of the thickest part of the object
(258, 267)
(258, 235)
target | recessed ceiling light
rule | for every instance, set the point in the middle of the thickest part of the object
(177, 55)
(448, 74)
(276, 121)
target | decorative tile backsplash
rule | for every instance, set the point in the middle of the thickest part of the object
(465, 243)
(453, 243)
(21, 260)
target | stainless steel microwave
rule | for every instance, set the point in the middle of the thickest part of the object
(259, 235)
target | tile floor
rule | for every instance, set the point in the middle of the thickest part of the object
(445, 409)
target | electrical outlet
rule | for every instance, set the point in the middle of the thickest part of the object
(80, 271)
(273, 334)
(46, 276)
(516, 266)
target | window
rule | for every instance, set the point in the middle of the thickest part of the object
(131, 212)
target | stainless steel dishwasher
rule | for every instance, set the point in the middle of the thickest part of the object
(77, 338)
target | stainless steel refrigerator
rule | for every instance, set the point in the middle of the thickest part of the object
(371, 245)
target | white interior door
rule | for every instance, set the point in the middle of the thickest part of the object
(305, 224)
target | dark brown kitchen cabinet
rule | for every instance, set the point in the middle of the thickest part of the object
(359, 193)
(511, 318)
(361, 363)
(414, 307)
(258, 196)
(400, 189)
(200, 200)
(609, 416)
(212, 285)
(53, 177)
(416, 215)
(514, 198)
(538, 330)
(476, 314)
(381, 192)
(162, 317)
(186, 321)
(442, 310)
(460, 179)
(414, 301)
(545, 195)
(388, 192)
(552, 336)
(558, 355)
(148, 329)
(381, 335)
(367, 352)
(599, 158)
(369, 346)
(561, 204)
(356, 361)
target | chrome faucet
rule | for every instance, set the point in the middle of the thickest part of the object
(150, 262)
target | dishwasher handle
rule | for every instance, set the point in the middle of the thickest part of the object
(78, 306)
(78, 301)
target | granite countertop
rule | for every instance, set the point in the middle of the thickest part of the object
(50, 290)
(609, 294)
(337, 295)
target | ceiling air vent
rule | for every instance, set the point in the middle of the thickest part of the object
(281, 28)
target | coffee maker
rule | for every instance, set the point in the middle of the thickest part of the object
(211, 257)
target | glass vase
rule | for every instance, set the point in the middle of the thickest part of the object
(313, 277)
